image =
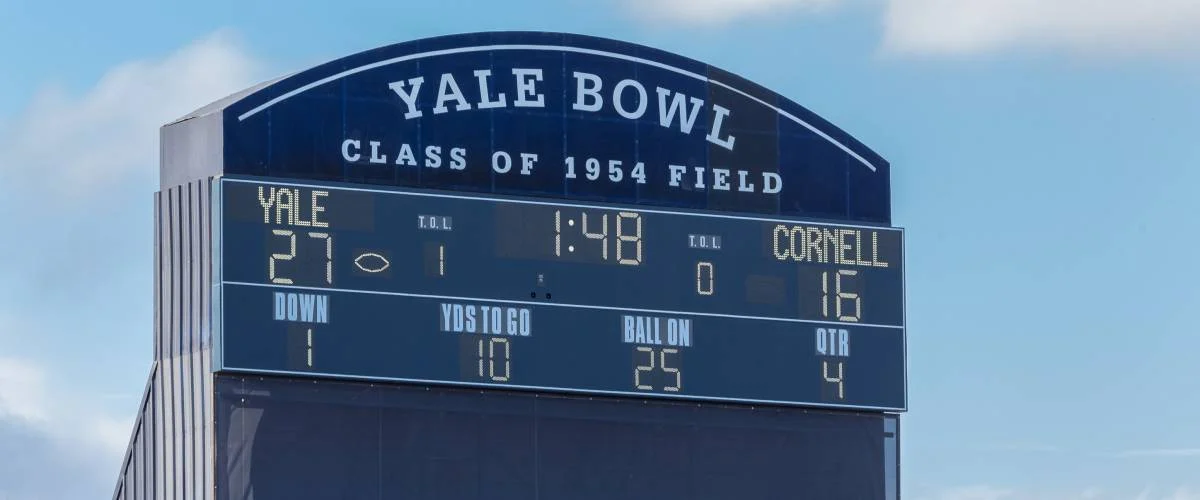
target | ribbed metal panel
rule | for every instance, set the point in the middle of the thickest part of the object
(170, 452)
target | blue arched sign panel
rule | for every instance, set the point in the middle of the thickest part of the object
(554, 115)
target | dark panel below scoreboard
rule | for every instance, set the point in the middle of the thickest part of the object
(281, 438)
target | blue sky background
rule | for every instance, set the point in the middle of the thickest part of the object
(1045, 161)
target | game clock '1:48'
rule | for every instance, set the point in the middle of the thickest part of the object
(626, 240)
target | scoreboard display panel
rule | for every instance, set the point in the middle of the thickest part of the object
(426, 286)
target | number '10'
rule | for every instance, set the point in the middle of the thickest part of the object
(499, 370)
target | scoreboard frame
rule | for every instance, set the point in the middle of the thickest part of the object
(558, 117)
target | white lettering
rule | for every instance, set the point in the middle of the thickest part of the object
(375, 157)
(487, 319)
(448, 90)
(620, 106)
(406, 156)
(742, 185)
(459, 316)
(512, 321)
(719, 179)
(458, 159)
(293, 305)
(584, 91)
(301, 307)
(433, 156)
(527, 88)
(527, 161)
(409, 96)
(771, 183)
(346, 154)
(501, 162)
(676, 174)
(715, 134)
(485, 101)
(666, 114)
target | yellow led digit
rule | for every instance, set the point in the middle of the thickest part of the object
(602, 235)
(637, 370)
(704, 287)
(492, 359)
(480, 343)
(558, 233)
(505, 371)
(635, 238)
(678, 380)
(847, 296)
(834, 380)
(328, 254)
(825, 293)
(291, 235)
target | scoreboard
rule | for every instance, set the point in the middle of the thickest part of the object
(517, 292)
(521, 265)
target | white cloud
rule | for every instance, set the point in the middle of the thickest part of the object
(988, 492)
(1180, 493)
(111, 132)
(100, 147)
(34, 398)
(708, 12)
(28, 399)
(949, 27)
(1162, 452)
(1184, 494)
(22, 391)
(977, 492)
(1025, 447)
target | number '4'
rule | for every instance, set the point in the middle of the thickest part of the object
(639, 172)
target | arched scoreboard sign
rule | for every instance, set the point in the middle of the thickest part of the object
(500, 265)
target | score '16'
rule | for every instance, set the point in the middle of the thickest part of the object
(706, 274)
(841, 296)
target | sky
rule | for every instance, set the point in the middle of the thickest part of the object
(1044, 161)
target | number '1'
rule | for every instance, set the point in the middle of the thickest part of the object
(502, 376)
